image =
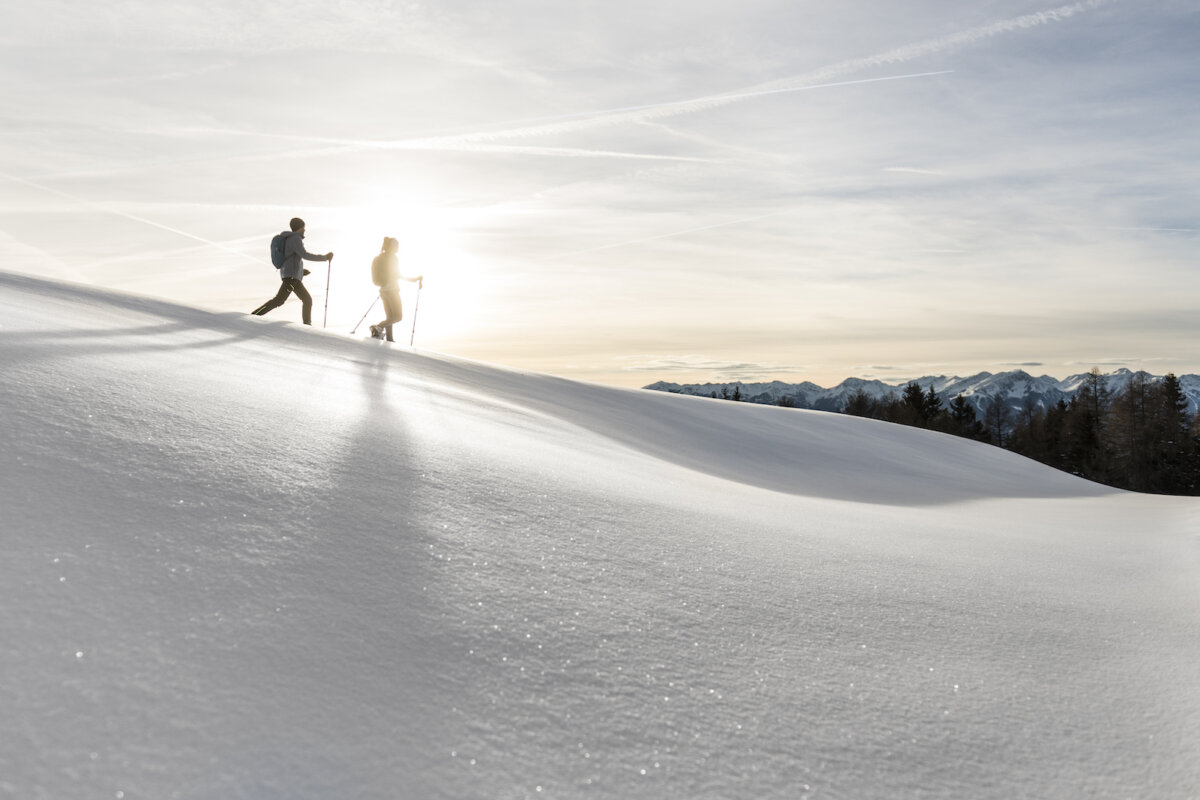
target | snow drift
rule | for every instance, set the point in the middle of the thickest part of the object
(244, 559)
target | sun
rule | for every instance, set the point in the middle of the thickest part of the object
(432, 244)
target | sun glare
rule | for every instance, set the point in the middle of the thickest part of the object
(431, 244)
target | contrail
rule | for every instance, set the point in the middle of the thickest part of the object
(929, 46)
(478, 146)
(820, 78)
(134, 218)
(479, 137)
(697, 229)
(1164, 230)
(485, 141)
(817, 79)
(463, 142)
(174, 252)
(813, 80)
(338, 146)
(572, 122)
(545, 126)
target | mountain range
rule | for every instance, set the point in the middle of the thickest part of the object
(1015, 386)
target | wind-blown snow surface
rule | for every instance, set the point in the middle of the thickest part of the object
(243, 559)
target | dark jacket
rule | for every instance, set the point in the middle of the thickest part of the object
(294, 255)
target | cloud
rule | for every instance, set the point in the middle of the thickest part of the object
(668, 235)
(267, 26)
(333, 146)
(574, 122)
(1156, 230)
(132, 217)
(916, 171)
(820, 78)
(485, 140)
(717, 368)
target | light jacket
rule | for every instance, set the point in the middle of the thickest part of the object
(293, 253)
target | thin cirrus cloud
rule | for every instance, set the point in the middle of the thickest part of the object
(485, 139)
(731, 370)
(818, 79)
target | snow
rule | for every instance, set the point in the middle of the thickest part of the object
(246, 559)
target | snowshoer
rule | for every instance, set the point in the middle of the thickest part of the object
(385, 272)
(292, 273)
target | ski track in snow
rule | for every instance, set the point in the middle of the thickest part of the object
(244, 559)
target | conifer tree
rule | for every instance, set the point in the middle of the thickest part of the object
(1129, 435)
(1086, 450)
(963, 419)
(859, 404)
(996, 414)
(912, 406)
(1028, 434)
(932, 403)
(1141, 437)
(1054, 432)
(1179, 455)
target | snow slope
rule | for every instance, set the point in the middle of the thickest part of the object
(244, 559)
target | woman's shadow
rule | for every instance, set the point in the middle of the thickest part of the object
(365, 614)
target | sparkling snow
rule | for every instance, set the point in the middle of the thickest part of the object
(244, 559)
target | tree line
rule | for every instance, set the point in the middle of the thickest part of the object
(1140, 437)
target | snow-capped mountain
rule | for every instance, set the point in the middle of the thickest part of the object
(1016, 386)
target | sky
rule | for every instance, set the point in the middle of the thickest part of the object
(626, 192)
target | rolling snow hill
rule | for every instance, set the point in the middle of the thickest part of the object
(246, 559)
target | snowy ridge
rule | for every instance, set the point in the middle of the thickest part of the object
(1016, 386)
(246, 559)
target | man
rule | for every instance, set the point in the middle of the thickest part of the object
(292, 273)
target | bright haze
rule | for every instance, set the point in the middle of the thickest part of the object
(631, 191)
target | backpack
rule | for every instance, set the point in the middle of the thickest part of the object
(379, 269)
(278, 242)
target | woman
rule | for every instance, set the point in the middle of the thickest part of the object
(385, 272)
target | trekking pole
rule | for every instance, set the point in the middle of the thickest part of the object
(416, 308)
(328, 274)
(364, 316)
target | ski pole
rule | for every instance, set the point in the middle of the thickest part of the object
(328, 274)
(364, 316)
(416, 308)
